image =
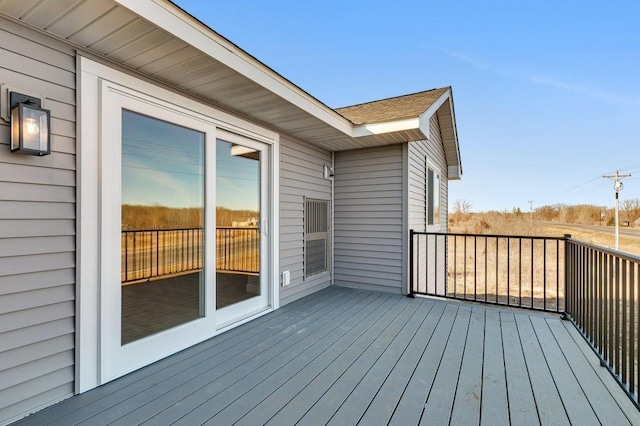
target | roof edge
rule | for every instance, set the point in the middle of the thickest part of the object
(451, 137)
(181, 24)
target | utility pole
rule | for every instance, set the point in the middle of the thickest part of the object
(531, 211)
(617, 187)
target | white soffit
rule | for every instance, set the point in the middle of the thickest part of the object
(182, 25)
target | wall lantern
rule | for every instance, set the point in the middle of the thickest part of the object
(30, 125)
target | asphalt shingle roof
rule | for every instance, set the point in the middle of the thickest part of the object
(391, 109)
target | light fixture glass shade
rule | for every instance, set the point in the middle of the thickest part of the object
(30, 129)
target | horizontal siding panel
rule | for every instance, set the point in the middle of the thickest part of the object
(389, 258)
(39, 350)
(35, 281)
(367, 279)
(15, 191)
(19, 302)
(35, 386)
(371, 243)
(50, 50)
(368, 197)
(318, 182)
(363, 190)
(35, 369)
(370, 162)
(47, 89)
(37, 402)
(35, 228)
(37, 210)
(370, 181)
(382, 270)
(29, 335)
(386, 220)
(387, 224)
(55, 160)
(39, 70)
(36, 263)
(378, 211)
(36, 174)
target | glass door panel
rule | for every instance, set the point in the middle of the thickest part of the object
(238, 223)
(162, 240)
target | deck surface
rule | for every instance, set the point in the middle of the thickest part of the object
(346, 357)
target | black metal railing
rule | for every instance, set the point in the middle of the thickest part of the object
(602, 301)
(524, 272)
(594, 287)
(149, 254)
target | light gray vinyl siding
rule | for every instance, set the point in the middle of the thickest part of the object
(301, 175)
(37, 232)
(369, 218)
(421, 152)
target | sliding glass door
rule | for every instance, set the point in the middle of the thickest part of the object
(184, 241)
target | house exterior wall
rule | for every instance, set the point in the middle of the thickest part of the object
(37, 228)
(301, 175)
(369, 215)
(37, 232)
(420, 154)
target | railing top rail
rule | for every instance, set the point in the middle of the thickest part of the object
(532, 237)
(621, 255)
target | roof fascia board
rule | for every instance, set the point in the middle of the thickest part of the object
(386, 127)
(425, 116)
(454, 171)
(182, 25)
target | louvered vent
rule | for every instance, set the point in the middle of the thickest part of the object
(316, 224)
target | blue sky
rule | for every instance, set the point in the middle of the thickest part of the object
(163, 164)
(547, 93)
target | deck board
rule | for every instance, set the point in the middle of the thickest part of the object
(494, 405)
(466, 406)
(522, 405)
(440, 401)
(574, 400)
(548, 401)
(346, 356)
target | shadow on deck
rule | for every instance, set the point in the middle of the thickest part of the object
(345, 356)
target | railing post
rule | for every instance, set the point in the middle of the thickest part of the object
(567, 263)
(411, 264)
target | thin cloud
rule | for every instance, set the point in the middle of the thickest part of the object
(590, 91)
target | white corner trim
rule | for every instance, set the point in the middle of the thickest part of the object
(185, 27)
(386, 127)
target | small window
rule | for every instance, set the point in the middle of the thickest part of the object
(433, 196)
(316, 237)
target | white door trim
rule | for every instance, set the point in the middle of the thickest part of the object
(93, 78)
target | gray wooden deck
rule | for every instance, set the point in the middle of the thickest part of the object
(344, 356)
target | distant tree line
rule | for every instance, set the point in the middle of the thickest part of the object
(564, 213)
(136, 217)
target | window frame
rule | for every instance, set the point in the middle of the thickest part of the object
(433, 211)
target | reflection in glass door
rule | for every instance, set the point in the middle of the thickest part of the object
(162, 241)
(238, 220)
